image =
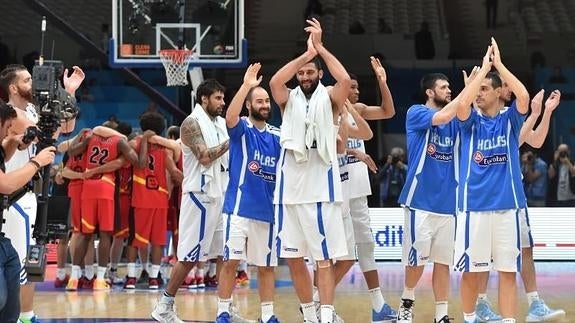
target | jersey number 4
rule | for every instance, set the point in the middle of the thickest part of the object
(99, 156)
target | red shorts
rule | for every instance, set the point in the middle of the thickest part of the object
(124, 229)
(99, 214)
(75, 195)
(150, 227)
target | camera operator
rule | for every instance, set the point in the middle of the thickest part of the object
(533, 169)
(10, 261)
(16, 81)
(392, 178)
(562, 178)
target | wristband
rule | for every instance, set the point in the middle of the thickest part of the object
(35, 163)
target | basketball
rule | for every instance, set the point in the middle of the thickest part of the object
(218, 49)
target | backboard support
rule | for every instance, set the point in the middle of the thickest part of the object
(213, 29)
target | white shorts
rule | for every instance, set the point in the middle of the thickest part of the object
(200, 216)
(310, 229)
(427, 237)
(526, 238)
(19, 226)
(361, 220)
(250, 240)
(486, 240)
(217, 246)
(349, 239)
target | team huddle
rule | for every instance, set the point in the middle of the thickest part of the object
(239, 189)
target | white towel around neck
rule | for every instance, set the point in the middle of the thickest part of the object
(214, 133)
(307, 121)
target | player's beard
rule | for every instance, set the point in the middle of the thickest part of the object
(26, 95)
(260, 117)
(311, 89)
(441, 102)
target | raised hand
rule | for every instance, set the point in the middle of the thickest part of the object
(73, 82)
(488, 59)
(315, 31)
(536, 103)
(251, 76)
(496, 57)
(378, 69)
(310, 48)
(472, 75)
(553, 100)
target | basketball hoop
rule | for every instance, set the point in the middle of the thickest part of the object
(176, 63)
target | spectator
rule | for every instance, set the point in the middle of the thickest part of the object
(491, 11)
(534, 170)
(557, 76)
(392, 177)
(424, 48)
(561, 178)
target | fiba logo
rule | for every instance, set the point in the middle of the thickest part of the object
(431, 149)
(478, 157)
(391, 236)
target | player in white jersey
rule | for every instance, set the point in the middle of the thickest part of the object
(308, 188)
(204, 140)
(487, 233)
(429, 209)
(538, 310)
(16, 81)
(360, 188)
(248, 206)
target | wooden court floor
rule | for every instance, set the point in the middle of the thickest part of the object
(556, 284)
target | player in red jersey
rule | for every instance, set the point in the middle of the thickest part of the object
(97, 211)
(150, 198)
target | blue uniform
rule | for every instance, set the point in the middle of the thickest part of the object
(490, 171)
(254, 154)
(431, 184)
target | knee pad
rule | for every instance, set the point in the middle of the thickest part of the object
(365, 256)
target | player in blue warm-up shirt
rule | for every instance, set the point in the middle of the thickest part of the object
(429, 193)
(248, 205)
(490, 191)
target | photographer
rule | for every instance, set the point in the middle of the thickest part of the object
(16, 81)
(10, 262)
(392, 177)
(562, 178)
(533, 169)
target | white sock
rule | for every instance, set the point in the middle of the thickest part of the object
(27, 315)
(167, 298)
(61, 273)
(224, 305)
(243, 266)
(532, 296)
(89, 271)
(212, 269)
(200, 273)
(315, 294)
(132, 269)
(469, 317)
(145, 266)
(309, 313)
(154, 271)
(482, 297)
(101, 272)
(440, 310)
(76, 272)
(267, 311)
(192, 272)
(511, 320)
(408, 293)
(377, 300)
(326, 314)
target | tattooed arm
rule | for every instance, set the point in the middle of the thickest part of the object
(191, 136)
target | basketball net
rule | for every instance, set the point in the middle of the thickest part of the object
(176, 63)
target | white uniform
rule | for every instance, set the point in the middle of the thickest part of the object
(526, 237)
(345, 212)
(202, 198)
(308, 191)
(21, 217)
(359, 190)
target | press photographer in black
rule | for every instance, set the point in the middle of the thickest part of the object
(561, 176)
(10, 262)
(16, 82)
